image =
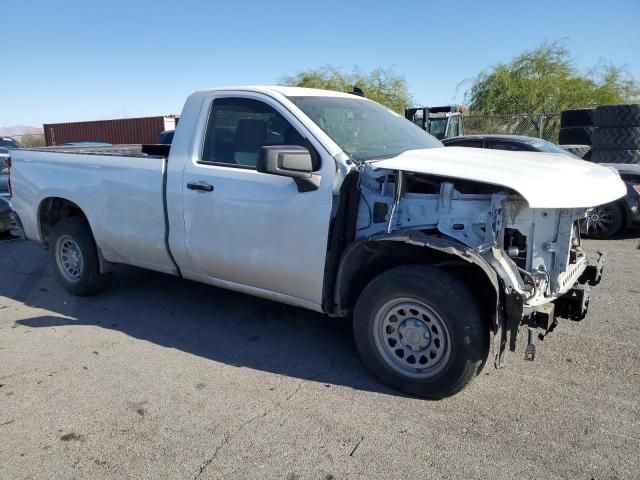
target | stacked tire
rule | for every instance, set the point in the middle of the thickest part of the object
(576, 129)
(582, 151)
(616, 138)
(576, 126)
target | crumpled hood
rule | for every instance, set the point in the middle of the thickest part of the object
(545, 180)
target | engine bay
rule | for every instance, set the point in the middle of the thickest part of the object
(536, 252)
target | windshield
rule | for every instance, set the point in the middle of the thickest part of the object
(437, 127)
(363, 129)
(9, 143)
(548, 147)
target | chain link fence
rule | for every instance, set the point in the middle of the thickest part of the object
(543, 125)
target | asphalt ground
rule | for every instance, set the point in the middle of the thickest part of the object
(163, 378)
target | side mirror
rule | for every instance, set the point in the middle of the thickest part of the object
(289, 161)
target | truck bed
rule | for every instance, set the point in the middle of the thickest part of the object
(119, 188)
(132, 150)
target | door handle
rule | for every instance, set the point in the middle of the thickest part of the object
(200, 186)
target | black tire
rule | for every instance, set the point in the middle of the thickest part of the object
(617, 116)
(578, 150)
(74, 234)
(616, 138)
(582, 117)
(465, 332)
(616, 156)
(576, 135)
(606, 229)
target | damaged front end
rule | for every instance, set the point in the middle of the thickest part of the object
(544, 271)
(532, 256)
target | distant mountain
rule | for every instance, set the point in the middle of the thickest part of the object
(18, 130)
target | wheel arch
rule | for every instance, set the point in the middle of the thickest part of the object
(53, 209)
(627, 214)
(367, 258)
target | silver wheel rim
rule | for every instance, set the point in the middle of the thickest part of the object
(599, 220)
(411, 338)
(69, 258)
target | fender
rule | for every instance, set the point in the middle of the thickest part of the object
(357, 252)
(433, 242)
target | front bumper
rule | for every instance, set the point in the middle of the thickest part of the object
(574, 304)
(593, 273)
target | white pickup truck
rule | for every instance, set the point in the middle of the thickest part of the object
(331, 202)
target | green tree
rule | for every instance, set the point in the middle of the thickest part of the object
(32, 140)
(383, 86)
(546, 80)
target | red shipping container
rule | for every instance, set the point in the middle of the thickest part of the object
(117, 132)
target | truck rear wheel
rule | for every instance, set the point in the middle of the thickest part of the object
(74, 256)
(419, 330)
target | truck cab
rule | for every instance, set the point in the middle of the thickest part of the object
(441, 122)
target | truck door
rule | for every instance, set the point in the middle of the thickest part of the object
(248, 230)
(453, 126)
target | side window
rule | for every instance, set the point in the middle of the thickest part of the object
(466, 143)
(454, 123)
(239, 127)
(514, 147)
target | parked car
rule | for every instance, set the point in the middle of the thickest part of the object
(4, 185)
(512, 143)
(166, 137)
(331, 202)
(6, 222)
(602, 221)
(8, 142)
(606, 220)
(5, 208)
(4, 172)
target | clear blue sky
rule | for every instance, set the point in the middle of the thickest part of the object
(83, 60)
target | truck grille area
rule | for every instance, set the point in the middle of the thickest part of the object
(544, 246)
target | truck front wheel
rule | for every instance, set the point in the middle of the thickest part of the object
(74, 256)
(419, 330)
